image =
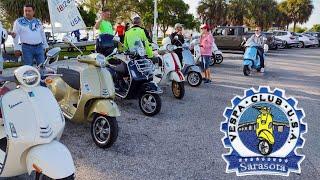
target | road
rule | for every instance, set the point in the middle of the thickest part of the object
(184, 140)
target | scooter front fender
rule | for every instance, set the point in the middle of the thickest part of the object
(247, 62)
(193, 68)
(104, 106)
(174, 76)
(53, 160)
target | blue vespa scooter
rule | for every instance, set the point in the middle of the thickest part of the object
(251, 60)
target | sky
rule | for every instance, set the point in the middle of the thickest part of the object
(314, 18)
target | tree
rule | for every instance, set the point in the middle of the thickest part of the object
(12, 9)
(237, 11)
(89, 17)
(261, 13)
(172, 12)
(213, 12)
(299, 11)
(316, 28)
(282, 20)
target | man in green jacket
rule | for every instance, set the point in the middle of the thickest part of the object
(136, 33)
(103, 24)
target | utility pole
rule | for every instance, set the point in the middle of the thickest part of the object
(155, 25)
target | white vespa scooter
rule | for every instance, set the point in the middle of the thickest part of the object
(169, 67)
(216, 58)
(31, 124)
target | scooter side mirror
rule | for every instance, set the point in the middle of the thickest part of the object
(53, 52)
(176, 37)
(116, 38)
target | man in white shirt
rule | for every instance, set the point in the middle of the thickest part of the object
(30, 34)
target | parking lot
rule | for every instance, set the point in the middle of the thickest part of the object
(184, 140)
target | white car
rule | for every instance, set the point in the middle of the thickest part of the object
(314, 40)
(290, 39)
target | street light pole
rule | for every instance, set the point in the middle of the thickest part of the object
(155, 26)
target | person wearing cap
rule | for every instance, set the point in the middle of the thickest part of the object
(178, 42)
(136, 33)
(206, 44)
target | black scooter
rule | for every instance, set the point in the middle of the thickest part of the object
(133, 75)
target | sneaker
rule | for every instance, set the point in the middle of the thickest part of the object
(262, 70)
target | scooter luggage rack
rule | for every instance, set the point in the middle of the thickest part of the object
(145, 66)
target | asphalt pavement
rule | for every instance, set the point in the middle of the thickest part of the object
(184, 140)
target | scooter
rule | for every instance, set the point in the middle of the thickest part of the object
(169, 69)
(216, 58)
(264, 130)
(31, 126)
(85, 93)
(190, 70)
(133, 78)
(251, 60)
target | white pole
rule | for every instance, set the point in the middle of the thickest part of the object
(155, 26)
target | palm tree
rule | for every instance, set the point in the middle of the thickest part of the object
(237, 10)
(261, 12)
(213, 12)
(299, 11)
(12, 9)
(282, 19)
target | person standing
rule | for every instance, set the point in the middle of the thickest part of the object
(206, 44)
(103, 24)
(178, 42)
(120, 30)
(29, 32)
(104, 43)
(137, 33)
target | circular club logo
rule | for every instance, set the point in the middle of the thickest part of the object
(263, 129)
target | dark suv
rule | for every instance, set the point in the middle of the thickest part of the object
(229, 37)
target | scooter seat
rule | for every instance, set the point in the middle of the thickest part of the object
(71, 77)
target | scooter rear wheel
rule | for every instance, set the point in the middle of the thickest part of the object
(218, 59)
(178, 89)
(194, 79)
(246, 70)
(104, 130)
(40, 176)
(150, 103)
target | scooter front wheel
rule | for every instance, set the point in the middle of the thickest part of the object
(194, 79)
(150, 103)
(40, 176)
(246, 70)
(104, 130)
(178, 89)
(264, 147)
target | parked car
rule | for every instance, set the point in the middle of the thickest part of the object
(280, 43)
(313, 39)
(306, 40)
(229, 37)
(314, 34)
(291, 40)
(269, 39)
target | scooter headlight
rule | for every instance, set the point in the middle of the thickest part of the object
(141, 52)
(171, 47)
(27, 76)
(101, 60)
(30, 77)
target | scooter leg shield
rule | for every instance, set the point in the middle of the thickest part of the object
(267, 136)
(53, 160)
(104, 106)
(247, 62)
(174, 76)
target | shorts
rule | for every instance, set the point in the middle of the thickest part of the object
(205, 62)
